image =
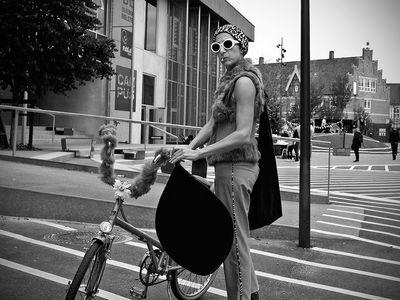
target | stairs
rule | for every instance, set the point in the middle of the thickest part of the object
(43, 135)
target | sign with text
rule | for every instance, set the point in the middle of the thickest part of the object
(123, 89)
(126, 43)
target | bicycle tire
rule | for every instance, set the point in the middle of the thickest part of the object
(92, 265)
(189, 286)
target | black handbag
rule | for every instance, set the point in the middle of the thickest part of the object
(193, 225)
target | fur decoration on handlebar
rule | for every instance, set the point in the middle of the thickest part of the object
(141, 183)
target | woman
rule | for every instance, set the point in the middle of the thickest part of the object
(232, 150)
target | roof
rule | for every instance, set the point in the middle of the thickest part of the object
(231, 15)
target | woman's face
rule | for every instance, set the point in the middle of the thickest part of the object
(228, 58)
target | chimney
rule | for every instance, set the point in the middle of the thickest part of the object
(331, 54)
(367, 53)
(261, 60)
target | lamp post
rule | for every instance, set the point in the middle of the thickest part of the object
(283, 51)
(280, 60)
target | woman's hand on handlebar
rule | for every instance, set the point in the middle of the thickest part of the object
(184, 153)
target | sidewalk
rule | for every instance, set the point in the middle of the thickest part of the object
(55, 193)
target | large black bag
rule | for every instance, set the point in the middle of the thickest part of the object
(192, 224)
(265, 203)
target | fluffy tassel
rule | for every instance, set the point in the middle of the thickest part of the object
(141, 184)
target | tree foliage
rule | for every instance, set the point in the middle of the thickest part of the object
(45, 45)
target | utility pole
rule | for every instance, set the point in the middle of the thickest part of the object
(305, 136)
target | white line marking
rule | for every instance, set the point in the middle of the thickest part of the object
(364, 206)
(378, 199)
(359, 228)
(371, 202)
(356, 238)
(81, 254)
(324, 266)
(388, 261)
(320, 286)
(54, 278)
(361, 221)
(307, 283)
(386, 168)
(62, 227)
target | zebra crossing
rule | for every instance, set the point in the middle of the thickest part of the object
(376, 184)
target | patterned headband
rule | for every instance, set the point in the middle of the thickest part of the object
(237, 35)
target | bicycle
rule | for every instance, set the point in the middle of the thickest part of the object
(154, 264)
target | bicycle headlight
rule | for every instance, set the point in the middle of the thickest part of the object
(105, 227)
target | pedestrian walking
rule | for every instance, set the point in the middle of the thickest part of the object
(357, 142)
(232, 150)
(296, 144)
(394, 139)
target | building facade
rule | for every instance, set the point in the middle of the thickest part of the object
(369, 91)
(394, 113)
(165, 70)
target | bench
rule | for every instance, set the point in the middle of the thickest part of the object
(83, 145)
(137, 154)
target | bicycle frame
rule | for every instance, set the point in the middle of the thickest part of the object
(107, 238)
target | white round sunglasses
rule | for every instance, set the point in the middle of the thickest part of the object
(228, 44)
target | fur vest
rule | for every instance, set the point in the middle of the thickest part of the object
(224, 112)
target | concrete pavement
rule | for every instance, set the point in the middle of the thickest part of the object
(36, 184)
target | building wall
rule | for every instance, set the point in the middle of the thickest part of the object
(185, 99)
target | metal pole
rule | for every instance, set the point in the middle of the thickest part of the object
(305, 116)
(132, 73)
(15, 129)
(329, 172)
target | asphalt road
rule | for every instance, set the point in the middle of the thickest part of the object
(355, 240)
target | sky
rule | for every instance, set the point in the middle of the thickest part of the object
(343, 26)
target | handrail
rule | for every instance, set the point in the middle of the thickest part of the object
(55, 112)
(329, 156)
(166, 132)
(17, 109)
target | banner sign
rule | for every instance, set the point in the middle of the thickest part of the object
(123, 89)
(126, 43)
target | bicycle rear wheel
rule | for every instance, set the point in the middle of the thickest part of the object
(189, 286)
(87, 279)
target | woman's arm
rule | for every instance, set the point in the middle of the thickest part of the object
(244, 94)
(203, 136)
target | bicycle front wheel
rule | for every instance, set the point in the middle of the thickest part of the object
(189, 286)
(87, 279)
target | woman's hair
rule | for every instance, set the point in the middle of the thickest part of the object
(236, 33)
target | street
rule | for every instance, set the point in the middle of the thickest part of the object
(355, 241)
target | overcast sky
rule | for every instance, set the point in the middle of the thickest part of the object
(344, 26)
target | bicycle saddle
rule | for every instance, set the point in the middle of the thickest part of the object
(192, 224)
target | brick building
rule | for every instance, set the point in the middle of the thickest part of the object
(369, 91)
(394, 110)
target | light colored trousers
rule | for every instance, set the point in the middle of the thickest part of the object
(240, 277)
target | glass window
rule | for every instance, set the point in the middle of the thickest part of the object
(151, 25)
(148, 90)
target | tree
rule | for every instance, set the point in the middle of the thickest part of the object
(46, 46)
(340, 96)
(272, 89)
(316, 96)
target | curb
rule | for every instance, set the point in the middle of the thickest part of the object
(26, 203)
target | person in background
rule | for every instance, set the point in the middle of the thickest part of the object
(394, 139)
(232, 150)
(356, 144)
